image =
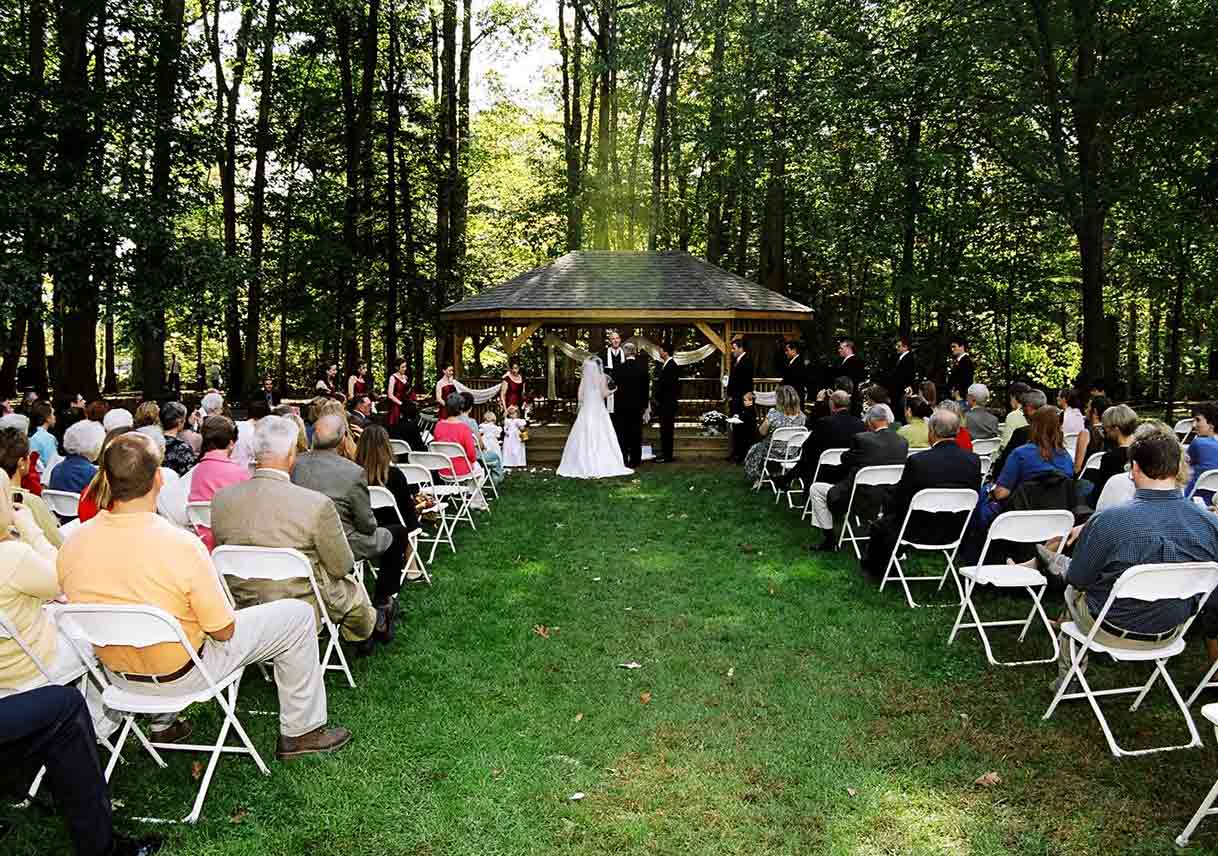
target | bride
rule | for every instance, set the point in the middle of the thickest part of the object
(592, 450)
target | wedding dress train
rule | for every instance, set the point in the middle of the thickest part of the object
(592, 450)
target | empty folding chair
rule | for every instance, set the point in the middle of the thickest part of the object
(1208, 480)
(1024, 527)
(786, 436)
(140, 626)
(199, 515)
(382, 497)
(888, 474)
(987, 447)
(420, 476)
(282, 564)
(1152, 582)
(934, 501)
(1210, 712)
(399, 449)
(64, 503)
(828, 458)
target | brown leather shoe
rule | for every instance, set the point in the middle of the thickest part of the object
(179, 732)
(318, 741)
(386, 618)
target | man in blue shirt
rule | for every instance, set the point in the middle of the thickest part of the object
(42, 420)
(1159, 525)
(1203, 450)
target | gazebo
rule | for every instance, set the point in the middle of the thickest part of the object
(589, 289)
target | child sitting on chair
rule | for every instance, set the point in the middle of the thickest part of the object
(513, 443)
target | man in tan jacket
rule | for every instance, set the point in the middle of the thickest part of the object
(270, 511)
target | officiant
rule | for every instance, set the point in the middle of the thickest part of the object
(614, 357)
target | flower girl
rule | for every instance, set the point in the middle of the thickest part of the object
(490, 433)
(513, 444)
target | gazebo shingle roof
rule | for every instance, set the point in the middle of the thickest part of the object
(657, 282)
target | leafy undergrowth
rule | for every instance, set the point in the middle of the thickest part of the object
(781, 704)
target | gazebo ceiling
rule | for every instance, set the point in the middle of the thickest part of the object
(598, 285)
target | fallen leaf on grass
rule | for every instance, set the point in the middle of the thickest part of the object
(579, 717)
(988, 780)
(576, 797)
(596, 579)
(644, 698)
(852, 792)
(196, 770)
(634, 549)
(238, 815)
(542, 631)
(496, 774)
(747, 548)
(773, 591)
(731, 672)
(631, 665)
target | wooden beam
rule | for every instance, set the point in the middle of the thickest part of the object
(514, 345)
(622, 316)
(711, 336)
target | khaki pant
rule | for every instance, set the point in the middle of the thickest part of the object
(818, 494)
(283, 632)
(1076, 605)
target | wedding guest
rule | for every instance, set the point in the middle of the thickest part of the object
(1094, 438)
(376, 457)
(148, 413)
(96, 497)
(179, 457)
(81, 444)
(512, 392)
(357, 383)
(95, 410)
(397, 393)
(15, 462)
(1042, 454)
(513, 446)
(42, 441)
(786, 413)
(118, 417)
(243, 451)
(915, 431)
(453, 429)
(1016, 418)
(360, 415)
(1070, 402)
(445, 387)
(491, 461)
(982, 424)
(745, 434)
(963, 438)
(346, 445)
(216, 470)
(1203, 450)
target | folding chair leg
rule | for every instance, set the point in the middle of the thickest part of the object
(336, 649)
(1203, 810)
(1205, 683)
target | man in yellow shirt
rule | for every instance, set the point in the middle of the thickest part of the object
(129, 555)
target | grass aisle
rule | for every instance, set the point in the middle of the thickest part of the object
(783, 706)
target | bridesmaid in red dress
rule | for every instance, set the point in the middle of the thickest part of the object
(512, 391)
(357, 384)
(445, 387)
(398, 394)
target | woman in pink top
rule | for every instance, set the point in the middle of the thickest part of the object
(452, 429)
(215, 470)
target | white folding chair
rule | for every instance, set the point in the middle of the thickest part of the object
(889, 474)
(199, 515)
(1152, 582)
(936, 501)
(460, 494)
(398, 448)
(64, 503)
(1070, 443)
(488, 482)
(1024, 527)
(140, 626)
(419, 475)
(795, 450)
(469, 482)
(382, 497)
(1093, 463)
(828, 458)
(986, 461)
(1210, 712)
(282, 564)
(987, 447)
(1183, 428)
(1208, 480)
(780, 435)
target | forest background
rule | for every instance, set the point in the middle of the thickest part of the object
(258, 186)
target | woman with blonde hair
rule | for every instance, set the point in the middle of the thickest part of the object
(148, 413)
(786, 413)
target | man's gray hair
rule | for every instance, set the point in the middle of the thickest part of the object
(329, 431)
(840, 400)
(212, 403)
(944, 423)
(119, 417)
(879, 413)
(1035, 399)
(274, 437)
(629, 350)
(16, 420)
(156, 434)
(84, 438)
(980, 393)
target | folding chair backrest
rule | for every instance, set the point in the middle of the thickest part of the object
(62, 502)
(831, 457)
(1027, 527)
(786, 435)
(917, 451)
(797, 440)
(199, 514)
(398, 448)
(132, 625)
(1208, 480)
(941, 500)
(431, 461)
(986, 447)
(1183, 428)
(1093, 463)
(1118, 490)
(882, 475)
(986, 461)
(382, 497)
(415, 474)
(262, 563)
(1167, 581)
(1070, 442)
(8, 630)
(450, 450)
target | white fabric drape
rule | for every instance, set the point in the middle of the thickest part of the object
(481, 396)
(766, 399)
(645, 345)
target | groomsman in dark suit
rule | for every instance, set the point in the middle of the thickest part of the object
(795, 370)
(852, 367)
(740, 380)
(668, 387)
(961, 376)
(902, 377)
(631, 395)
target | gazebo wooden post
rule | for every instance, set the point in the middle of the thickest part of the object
(551, 367)
(727, 359)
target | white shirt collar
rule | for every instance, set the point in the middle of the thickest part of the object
(268, 472)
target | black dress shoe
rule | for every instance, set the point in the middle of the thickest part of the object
(386, 616)
(124, 846)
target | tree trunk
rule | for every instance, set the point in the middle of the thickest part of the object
(390, 333)
(572, 83)
(1177, 310)
(446, 160)
(715, 237)
(13, 340)
(34, 244)
(660, 131)
(1133, 370)
(262, 144)
(909, 222)
(460, 212)
(604, 46)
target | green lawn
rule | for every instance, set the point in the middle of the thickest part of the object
(784, 705)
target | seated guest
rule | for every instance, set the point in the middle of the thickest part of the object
(1041, 455)
(96, 410)
(407, 427)
(68, 411)
(879, 445)
(15, 463)
(1070, 402)
(346, 446)
(1017, 418)
(216, 470)
(360, 414)
(963, 439)
(118, 417)
(81, 445)
(343, 481)
(1203, 450)
(243, 451)
(179, 456)
(835, 431)
(375, 456)
(944, 465)
(1033, 400)
(915, 432)
(744, 435)
(96, 497)
(1159, 525)
(148, 413)
(1120, 425)
(981, 423)
(129, 555)
(452, 429)
(42, 441)
(786, 413)
(211, 405)
(269, 511)
(49, 728)
(1093, 438)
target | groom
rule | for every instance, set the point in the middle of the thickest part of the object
(633, 387)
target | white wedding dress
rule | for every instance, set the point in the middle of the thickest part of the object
(592, 450)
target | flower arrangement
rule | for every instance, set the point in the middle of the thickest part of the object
(714, 423)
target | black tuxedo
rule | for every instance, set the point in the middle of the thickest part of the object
(668, 389)
(961, 376)
(739, 381)
(630, 401)
(869, 449)
(853, 368)
(830, 432)
(945, 465)
(613, 362)
(903, 375)
(795, 375)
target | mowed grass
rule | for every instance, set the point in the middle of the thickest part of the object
(784, 705)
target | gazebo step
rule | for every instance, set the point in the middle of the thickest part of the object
(546, 444)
